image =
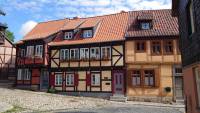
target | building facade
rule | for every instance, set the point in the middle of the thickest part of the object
(188, 13)
(152, 57)
(87, 57)
(109, 55)
(32, 56)
(7, 55)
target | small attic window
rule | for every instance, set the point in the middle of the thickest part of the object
(87, 33)
(145, 25)
(68, 35)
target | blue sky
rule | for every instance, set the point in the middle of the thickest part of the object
(23, 15)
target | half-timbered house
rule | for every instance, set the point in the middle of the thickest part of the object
(32, 55)
(188, 14)
(87, 56)
(7, 57)
(152, 57)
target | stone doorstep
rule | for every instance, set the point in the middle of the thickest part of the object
(118, 98)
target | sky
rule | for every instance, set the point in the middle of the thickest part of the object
(23, 15)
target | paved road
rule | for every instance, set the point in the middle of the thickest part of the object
(122, 108)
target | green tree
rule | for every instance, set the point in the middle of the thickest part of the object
(10, 35)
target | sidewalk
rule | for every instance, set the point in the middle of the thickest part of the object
(4, 107)
(173, 105)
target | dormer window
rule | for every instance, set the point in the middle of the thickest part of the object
(87, 33)
(145, 25)
(68, 35)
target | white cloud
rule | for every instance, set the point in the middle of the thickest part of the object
(27, 27)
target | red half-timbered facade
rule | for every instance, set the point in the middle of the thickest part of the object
(32, 55)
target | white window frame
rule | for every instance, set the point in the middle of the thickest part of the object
(95, 55)
(68, 35)
(76, 52)
(27, 74)
(64, 54)
(145, 25)
(19, 74)
(87, 33)
(84, 53)
(70, 79)
(39, 50)
(95, 79)
(58, 79)
(30, 51)
(22, 53)
(197, 76)
(109, 56)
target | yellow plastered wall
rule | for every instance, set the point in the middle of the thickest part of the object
(64, 64)
(84, 64)
(132, 56)
(82, 86)
(106, 74)
(166, 78)
(165, 81)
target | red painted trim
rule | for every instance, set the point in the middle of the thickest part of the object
(113, 81)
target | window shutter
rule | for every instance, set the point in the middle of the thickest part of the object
(157, 77)
(129, 78)
(76, 79)
(52, 80)
(88, 79)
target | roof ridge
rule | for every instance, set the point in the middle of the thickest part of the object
(102, 15)
(53, 20)
(150, 10)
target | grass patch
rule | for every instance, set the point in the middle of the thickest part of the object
(15, 109)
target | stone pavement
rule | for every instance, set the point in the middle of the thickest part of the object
(4, 107)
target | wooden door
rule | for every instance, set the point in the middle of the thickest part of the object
(179, 87)
(118, 82)
(44, 79)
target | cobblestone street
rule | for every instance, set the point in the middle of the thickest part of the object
(40, 102)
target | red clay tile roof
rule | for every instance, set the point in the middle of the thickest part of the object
(91, 22)
(145, 16)
(73, 23)
(163, 24)
(45, 29)
(110, 28)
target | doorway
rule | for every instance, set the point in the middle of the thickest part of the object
(44, 79)
(118, 77)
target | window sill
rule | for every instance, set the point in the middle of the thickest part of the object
(74, 60)
(69, 85)
(168, 53)
(105, 59)
(64, 61)
(154, 54)
(94, 59)
(137, 51)
(145, 87)
(84, 60)
(58, 85)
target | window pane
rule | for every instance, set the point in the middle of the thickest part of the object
(136, 77)
(149, 77)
